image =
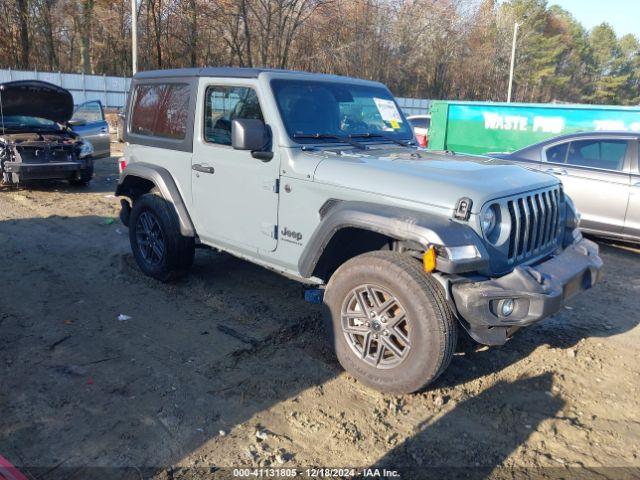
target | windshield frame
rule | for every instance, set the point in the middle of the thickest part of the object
(377, 136)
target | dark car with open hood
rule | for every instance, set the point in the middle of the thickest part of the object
(36, 139)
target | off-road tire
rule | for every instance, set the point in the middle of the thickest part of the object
(178, 251)
(83, 180)
(432, 327)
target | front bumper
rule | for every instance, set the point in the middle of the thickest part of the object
(538, 291)
(40, 171)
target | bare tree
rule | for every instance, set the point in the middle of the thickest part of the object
(23, 22)
(420, 48)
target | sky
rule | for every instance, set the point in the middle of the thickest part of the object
(622, 15)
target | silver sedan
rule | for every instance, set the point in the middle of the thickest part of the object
(599, 171)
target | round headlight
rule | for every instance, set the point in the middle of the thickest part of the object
(489, 220)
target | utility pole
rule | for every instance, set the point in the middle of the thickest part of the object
(513, 60)
(134, 37)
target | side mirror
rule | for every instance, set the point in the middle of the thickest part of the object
(77, 122)
(251, 134)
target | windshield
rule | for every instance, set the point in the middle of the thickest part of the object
(21, 121)
(321, 111)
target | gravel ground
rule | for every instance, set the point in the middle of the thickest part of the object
(228, 368)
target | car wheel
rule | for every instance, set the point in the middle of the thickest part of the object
(82, 178)
(159, 248)
(392, 328)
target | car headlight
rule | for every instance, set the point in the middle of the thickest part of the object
(573, 216)
(489, 220)
(495, 228)
(86, 149)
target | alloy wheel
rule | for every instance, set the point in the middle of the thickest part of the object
(375, 326)
(150, 239)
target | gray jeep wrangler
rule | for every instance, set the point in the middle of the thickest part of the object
(318, 177)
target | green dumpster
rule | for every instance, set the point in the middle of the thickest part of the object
(483, 127)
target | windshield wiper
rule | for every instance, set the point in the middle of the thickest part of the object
(331, 136)
(404, 143)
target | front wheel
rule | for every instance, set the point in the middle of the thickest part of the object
(159, 248)
(392, 327)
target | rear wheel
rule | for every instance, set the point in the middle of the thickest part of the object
(392, 327)
(159, 248)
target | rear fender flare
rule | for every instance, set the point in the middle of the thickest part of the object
(166, 186)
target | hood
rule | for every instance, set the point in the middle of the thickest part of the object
(436, 179)
(33, 98)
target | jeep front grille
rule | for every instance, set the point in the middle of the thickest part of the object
(535, 223)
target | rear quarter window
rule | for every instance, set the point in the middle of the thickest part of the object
(160, 110)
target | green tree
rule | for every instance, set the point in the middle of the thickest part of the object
(539, 49)
(610, 75)
(574, 63)
(630, 51)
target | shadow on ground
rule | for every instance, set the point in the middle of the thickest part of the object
(478, 434)
(80, 388)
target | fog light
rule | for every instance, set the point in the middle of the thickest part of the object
(506, 306)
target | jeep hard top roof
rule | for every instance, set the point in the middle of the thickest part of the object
(241, 72)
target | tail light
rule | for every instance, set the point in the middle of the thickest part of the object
(122, 164)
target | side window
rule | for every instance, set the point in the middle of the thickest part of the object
(557, 153)
(222, 105)
(160, 110)
(89, 112)
(605, 154)
(145, 104)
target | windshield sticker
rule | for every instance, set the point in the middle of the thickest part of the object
(388, 111)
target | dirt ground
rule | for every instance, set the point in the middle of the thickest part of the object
(228, 368)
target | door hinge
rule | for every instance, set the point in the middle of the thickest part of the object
(270, 230)
(271, 185)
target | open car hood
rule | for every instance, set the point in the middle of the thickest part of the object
(33, 98)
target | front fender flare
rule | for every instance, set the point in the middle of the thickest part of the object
(398, 223)
(166, 186)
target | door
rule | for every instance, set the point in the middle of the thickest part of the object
(594, 173)
(89, 122)
(235, 196)
(632, 220)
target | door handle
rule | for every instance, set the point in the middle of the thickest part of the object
(556, 171)
(104, 130)
(202, 168)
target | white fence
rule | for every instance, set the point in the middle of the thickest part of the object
(414, 106)
(112, 91)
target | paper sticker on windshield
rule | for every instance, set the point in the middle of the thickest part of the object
(388, 111)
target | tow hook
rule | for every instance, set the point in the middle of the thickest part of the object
(536, 275)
